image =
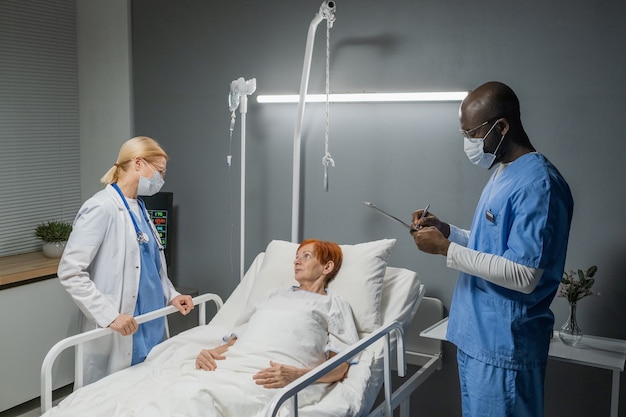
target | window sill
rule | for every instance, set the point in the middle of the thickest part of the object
(20, 269)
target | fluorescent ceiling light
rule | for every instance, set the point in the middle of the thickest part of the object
(364, 97)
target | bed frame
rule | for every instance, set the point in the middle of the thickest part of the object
(425, 353)
(413, 350)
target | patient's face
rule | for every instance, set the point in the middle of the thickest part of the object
(307, 268)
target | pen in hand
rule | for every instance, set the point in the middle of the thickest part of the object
(416, 227)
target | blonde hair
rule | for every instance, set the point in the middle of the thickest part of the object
(137, 147)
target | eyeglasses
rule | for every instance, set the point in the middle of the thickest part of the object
(161, 171)
(470, 132)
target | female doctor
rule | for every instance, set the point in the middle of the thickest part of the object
(113, 265)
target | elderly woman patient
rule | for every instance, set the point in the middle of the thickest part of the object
(319, 321)
(280, 338)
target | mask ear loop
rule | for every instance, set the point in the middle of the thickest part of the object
(495, 152)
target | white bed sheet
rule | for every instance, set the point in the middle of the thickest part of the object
(167, 384)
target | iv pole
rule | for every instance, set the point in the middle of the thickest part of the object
(327, 11)
(240, 89)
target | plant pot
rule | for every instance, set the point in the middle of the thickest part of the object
(53, 249)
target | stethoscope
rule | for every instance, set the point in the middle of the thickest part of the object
(141, 236)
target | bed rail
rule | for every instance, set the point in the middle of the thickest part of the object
(401, 397)
(291, 390)
(78, 340)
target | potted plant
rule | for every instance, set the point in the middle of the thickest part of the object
(54, 235)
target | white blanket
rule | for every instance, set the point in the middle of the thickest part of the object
(168, 384)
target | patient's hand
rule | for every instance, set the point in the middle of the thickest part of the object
(206, 359)
(278, 375)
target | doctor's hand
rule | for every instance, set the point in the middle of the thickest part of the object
(183, 303)
(278, 375)
(429, 220)
(124, 325)
(206, 359)
(430, 240)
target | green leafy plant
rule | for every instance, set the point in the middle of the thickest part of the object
(53, 231)
(577, 285)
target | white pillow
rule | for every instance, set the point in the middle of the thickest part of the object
(359, 281)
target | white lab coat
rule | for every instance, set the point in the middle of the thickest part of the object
(100, 269)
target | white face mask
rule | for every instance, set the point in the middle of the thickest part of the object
(474, 149)
(150, 186)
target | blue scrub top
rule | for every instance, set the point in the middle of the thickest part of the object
(524, 215)
(150, 296)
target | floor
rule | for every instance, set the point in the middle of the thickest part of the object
(32, 408)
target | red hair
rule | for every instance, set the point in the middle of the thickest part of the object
(325, 252)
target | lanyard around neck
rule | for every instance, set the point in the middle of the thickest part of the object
(141, 236)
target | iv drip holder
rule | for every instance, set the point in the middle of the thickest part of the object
(326, 11)
(240, 89)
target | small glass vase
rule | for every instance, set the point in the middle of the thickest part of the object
(569, 333)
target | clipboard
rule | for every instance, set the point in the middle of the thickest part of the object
(372, 205)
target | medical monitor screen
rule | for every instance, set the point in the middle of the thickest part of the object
(159, 218)
(160, 208)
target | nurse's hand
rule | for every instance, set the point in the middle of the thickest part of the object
(429, 220)
(431, 240)
(124, 325)
(183, 303)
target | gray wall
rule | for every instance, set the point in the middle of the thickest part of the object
(104, 77)
(565, 60)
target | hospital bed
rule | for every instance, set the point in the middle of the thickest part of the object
(384, 301)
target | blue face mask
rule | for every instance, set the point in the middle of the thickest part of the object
(150, 186)
(474, 149)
